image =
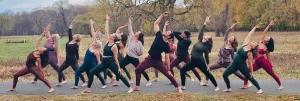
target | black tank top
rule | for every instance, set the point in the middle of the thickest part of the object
(107, 50)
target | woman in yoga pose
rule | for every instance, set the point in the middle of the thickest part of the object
(240, 62)
(182, 54)
(262, 57)
(159, 45)
(134, 49)
(226, 53)
(34, 65)
(202, 47)
(72, 53)
(91, 59)
(110, 60)
(52, 45)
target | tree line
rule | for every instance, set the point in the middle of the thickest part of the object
(186, 16)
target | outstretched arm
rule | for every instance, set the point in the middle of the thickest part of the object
(228, 31)
(264, 34)
(158, 20)
(118, 31)
(248, 37)
(131, 33)
(107, 26)
(70, 34)
(201, 32)
(47, 33)
(43, 34)
(93, 33)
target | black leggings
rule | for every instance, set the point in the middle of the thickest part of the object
(127, 60)
(54, 65)
(200, 63)
(242, 67)
(65, 65)
(107, 63)
(86, 67)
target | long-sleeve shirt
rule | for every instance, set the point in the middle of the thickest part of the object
(72, 53)
(134, 48)
(182, 45)
(225, 55)
(199, 48)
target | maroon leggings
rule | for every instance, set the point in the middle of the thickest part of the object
(185, 59)
(157, 64)
(262, 62)
(37, 72)
(172, 58)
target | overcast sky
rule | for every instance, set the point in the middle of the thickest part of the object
(29, 5)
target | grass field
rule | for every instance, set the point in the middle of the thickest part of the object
(285, 62)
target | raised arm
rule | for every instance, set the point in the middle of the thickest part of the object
(264, 34)
(107, 26)
(131, 33)
(158, 20)
(118, 31)
(47, 29)
(93, 33)
(43, 34)
(228, 31)
(201, 32)
(248, 37)
(70, 34)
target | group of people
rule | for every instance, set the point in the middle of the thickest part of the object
(121, 49)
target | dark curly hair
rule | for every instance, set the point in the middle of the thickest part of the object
(270, 45)
(209, 44)
(235, 44)
(187, 33)
(141, 38)
(124, 38)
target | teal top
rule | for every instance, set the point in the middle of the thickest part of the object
(241, 55)
(90, 57)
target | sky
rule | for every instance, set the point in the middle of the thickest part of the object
(30, 5)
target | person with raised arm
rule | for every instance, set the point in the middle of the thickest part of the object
(182, 54)
(226, 53)
(110, 60)
(262, 57)
(91, 59)
(52, 45)
(34, 64)
(134, 49)
(202, 47)
(72, 53)
(159, 46)
(239, 62)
